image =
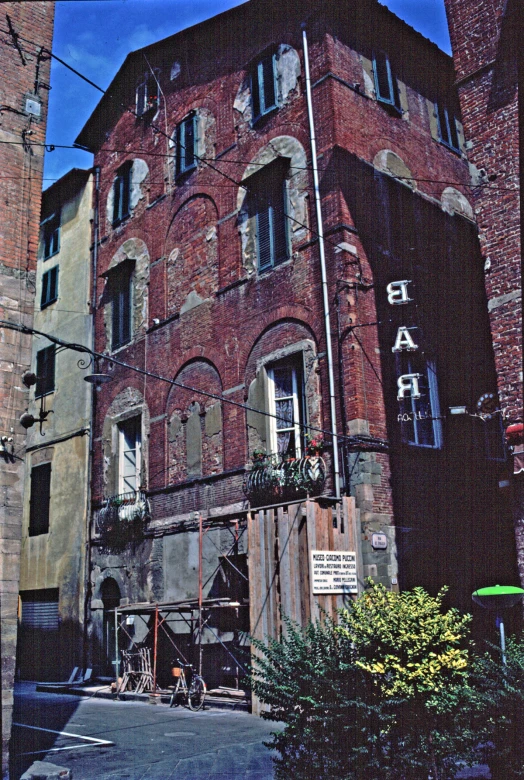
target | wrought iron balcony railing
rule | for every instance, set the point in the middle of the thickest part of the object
(275, 478)
(121, 518)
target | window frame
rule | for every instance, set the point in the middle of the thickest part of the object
(181, 166)
(121, 294)
(258, 87)
(410, 405)
(131, 425)
(45, 371)
(40, 499)
(122, 193)
(273, 248)
(450, 121)
(392, 99)
(51, 229)
(49, 287)
(144, 102)
(298, 397)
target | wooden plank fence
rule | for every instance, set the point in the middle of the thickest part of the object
(279, 545)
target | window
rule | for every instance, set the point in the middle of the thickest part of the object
(186, 145)
(39, 500)
(51, 235)
(121, 192)
(264, 87)
(129, 455)
(447, 128)
(420, 417)
(121, 294)
(49, 287)
(386, 87)
(147, 94)
(267, 202)
(286, 402)
(45, 371)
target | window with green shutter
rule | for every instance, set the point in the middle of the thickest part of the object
(267, 204)
(447, 128)
(186, 145)
(45, 371)
(386, 86)
(120, 284)
(121, 192)
(50, 236)
(264, 93)
(49, 287)
(39, 500)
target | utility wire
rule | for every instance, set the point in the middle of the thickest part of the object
(152, 375)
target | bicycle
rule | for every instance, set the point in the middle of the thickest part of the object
(194, 694)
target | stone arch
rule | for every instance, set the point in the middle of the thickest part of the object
(195, 428)
(135, 254)
(287, 148)
(192, 262)
(454, 202)
(128, 404)
(282, 341)
(391, 163)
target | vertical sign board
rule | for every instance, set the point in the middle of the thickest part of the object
(333, 572)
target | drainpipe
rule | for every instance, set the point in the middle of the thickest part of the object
(87, 574)
(325, 295)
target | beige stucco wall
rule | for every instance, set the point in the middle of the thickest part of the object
(57, 559)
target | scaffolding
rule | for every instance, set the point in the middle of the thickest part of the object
(140, 669)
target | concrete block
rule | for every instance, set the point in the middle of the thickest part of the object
(42, 770)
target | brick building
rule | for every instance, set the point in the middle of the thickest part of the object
(487, 51)
(210, 276)
(23, 112)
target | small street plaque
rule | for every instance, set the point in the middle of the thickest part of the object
(379, 541)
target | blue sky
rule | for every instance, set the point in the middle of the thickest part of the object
(94, 37)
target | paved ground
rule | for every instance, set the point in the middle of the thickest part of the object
(147, 741)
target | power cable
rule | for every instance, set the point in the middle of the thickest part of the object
(152, 375)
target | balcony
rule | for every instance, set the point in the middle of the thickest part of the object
(121, 519)
(274, 479)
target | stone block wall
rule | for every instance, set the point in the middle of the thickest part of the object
(22, 132)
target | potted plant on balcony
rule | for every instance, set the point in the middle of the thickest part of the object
(314, 445)
(259, 457)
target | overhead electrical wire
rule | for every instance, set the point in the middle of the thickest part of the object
(153, 375)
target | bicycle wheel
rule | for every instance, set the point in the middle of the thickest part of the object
(175, 698)
(197, 694)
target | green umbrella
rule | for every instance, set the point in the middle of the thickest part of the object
(498, 597)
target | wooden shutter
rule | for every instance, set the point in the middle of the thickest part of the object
(269, 86)
(121, 294)
(269, 198)
(45, 371)
(39, 501)
(255, 93)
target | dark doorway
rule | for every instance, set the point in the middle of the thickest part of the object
(111, 599)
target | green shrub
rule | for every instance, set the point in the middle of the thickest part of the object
(383, 695)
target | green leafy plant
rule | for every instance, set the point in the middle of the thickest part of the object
(382, 695)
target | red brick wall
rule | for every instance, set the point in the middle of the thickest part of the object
(483, 39)
(228, 329)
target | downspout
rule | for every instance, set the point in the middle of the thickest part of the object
(325, 295)
(87, 573)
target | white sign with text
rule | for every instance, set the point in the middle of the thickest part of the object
(333, 572)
